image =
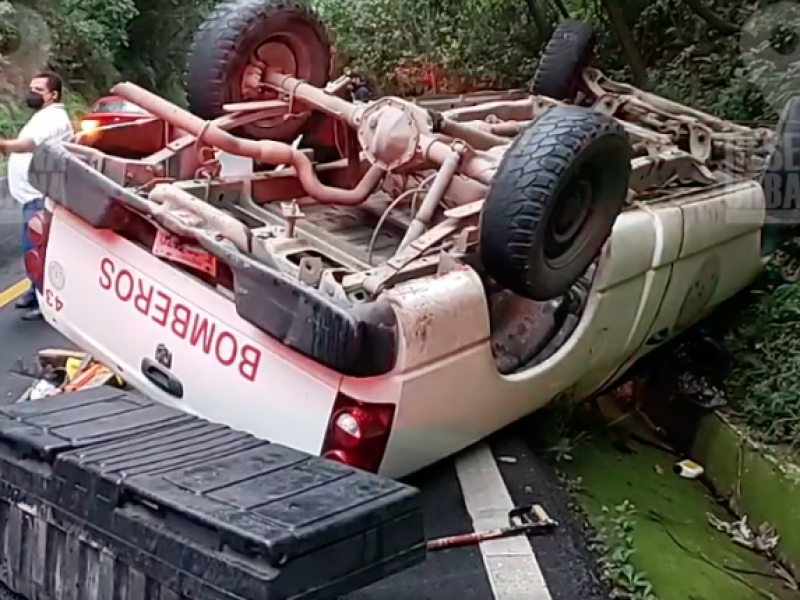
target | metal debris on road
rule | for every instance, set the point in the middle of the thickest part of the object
(528, 520)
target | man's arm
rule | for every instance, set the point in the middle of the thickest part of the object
(52, 127)
(17, 146)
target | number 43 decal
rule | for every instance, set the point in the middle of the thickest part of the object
(53, 301)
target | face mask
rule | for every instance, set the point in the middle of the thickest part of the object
(34, 100)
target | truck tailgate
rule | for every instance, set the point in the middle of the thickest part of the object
(104, 494)
(115, 300)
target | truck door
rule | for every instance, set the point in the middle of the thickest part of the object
(667, 222)
(710, 249)
(720, 254)
(643, 248)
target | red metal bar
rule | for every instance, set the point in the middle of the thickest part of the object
(265, 151)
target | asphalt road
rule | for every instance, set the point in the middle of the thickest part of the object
(475, 490)
(10, 227)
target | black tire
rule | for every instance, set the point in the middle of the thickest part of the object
(781, 178)
(527, 242)
(231, 36)
(569, 51)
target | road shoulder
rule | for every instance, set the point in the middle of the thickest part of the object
(563, 556)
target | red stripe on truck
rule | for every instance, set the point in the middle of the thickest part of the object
(171, 314)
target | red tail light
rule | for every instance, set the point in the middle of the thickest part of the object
(38, 233)
(358, 433)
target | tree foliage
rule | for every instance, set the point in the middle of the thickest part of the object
(694, 51)
(158, 38)
(690, 50)
(95, 42)
(489, 40)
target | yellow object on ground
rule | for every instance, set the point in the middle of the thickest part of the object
(94, 375)
(72, 367)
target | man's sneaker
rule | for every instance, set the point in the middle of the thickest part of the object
(33, 315)
(26, 302)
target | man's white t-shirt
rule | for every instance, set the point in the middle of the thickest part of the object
(48, 123)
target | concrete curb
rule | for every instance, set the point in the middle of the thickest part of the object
(755, 481)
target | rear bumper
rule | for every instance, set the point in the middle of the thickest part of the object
(361, 341)
(117, 496)
(357, 341)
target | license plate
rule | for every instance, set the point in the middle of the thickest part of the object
(169, 247)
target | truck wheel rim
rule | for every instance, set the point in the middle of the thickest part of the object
(284, 52)
(568, 223)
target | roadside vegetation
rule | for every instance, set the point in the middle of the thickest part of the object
(687, 49)
(684, 49)
(762, 333)
(92, 44)
(665, 45)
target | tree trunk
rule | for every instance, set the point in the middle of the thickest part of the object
(562, 8)
(541, 19)
(617, 18)
(712, 18)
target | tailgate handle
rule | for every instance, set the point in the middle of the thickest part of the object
(162, 378)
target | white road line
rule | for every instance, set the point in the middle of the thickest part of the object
(511, 565)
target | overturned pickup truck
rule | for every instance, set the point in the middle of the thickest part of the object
(382, 283)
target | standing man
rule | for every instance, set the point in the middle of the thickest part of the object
(49, 121)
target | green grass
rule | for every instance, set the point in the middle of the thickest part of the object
(674, 548)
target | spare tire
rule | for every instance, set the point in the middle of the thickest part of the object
(560, 71)
(237, 35)
(553, 201)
